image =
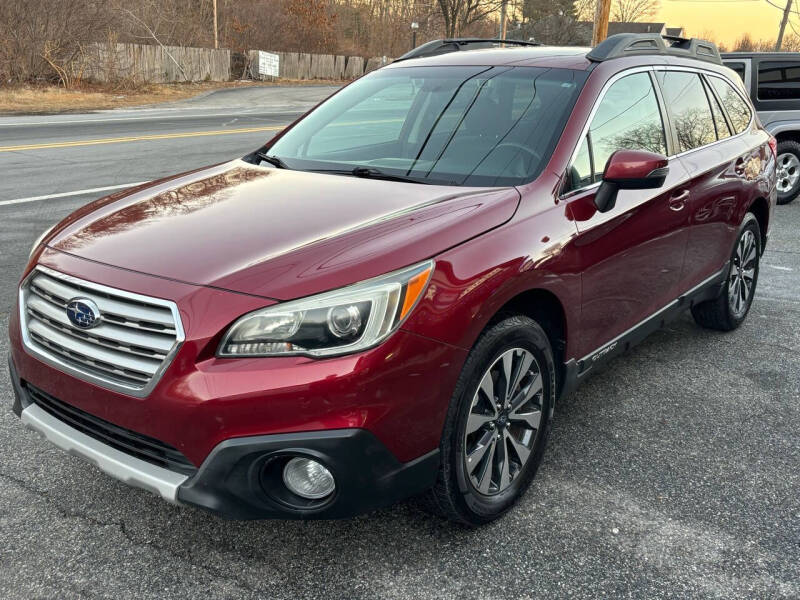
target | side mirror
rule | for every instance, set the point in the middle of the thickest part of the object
(630, 170)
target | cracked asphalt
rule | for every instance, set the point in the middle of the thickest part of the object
(673, 473)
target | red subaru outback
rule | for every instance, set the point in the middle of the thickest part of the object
(388, 297)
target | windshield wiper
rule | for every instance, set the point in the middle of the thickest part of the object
(371, 173)
(273, 160)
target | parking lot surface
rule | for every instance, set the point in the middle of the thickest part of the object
(675, 472)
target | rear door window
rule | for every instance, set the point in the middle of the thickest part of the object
(738, 110)
(779, 80)
(688, 105)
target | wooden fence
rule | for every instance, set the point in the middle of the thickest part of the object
(142, 63)
(299, 65)
(156, 64)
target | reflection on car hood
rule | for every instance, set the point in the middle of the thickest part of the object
(278, 233)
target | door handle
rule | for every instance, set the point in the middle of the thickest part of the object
(678, 200)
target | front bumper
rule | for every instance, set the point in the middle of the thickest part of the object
(237, 479)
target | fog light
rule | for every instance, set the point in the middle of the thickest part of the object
(308, 479)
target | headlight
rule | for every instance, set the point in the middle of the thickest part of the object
(338, 322)
(39, 240)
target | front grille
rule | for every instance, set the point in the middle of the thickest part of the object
(126, 351)
(135, 444)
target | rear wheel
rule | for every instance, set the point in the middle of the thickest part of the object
(497, 424)
(788, 164)
(729, 309)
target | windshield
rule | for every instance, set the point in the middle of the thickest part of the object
(474, 126)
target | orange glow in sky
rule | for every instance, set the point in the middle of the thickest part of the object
(725, 21)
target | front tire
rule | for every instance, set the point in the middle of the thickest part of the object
(730, 308)
(497, 424)
(788, 164)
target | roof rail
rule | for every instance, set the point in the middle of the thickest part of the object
(628, 44)
(445, 46)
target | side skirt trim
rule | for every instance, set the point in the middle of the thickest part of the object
(576, 370)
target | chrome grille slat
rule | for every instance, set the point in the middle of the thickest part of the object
(66, 330)
(108, 306)
(100, 354)
(128, 350)
(120, 321)
(118, 374)
(155, 343)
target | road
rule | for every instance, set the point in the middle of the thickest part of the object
(675, 472)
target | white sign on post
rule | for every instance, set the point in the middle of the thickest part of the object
(268, 64)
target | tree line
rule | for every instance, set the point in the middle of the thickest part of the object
(42, 40)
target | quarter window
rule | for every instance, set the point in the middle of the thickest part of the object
(779, 80)
(580, 173)
(738, 110)
(723, 131)
(688, 104)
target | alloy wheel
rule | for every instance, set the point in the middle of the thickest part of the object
(788, 172)
(742, 277)
(504, 421)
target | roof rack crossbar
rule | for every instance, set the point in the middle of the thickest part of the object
(446, 46)
(628, 44)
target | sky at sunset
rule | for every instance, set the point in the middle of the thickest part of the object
(725, 20)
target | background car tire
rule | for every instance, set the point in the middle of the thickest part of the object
(455, 494)
(720, 313)
(788, 171)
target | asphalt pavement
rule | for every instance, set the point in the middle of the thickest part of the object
(673, 473)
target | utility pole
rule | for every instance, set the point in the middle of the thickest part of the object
(784, 20)
(503, 18)
(216, 34)
(601, 14)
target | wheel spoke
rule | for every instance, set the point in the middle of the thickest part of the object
(507, 364)
(751, 256)
(475, 421)
(474, 457)
(487, 386)
(505, 473)
(535, 386)
(522, 367)
(521, 450)
(523, 396)
(487, 470)
(747, 274)
(532, 419)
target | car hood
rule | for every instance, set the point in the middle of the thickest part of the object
(277, 233)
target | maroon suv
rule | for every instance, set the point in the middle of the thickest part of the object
(388, 297)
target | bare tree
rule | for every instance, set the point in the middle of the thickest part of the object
(459, 14)
(634, 10)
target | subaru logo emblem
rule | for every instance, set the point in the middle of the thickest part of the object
(83, 313)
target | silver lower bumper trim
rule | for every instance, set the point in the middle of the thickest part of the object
(119, 465)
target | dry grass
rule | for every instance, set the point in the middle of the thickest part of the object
(48, 99)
